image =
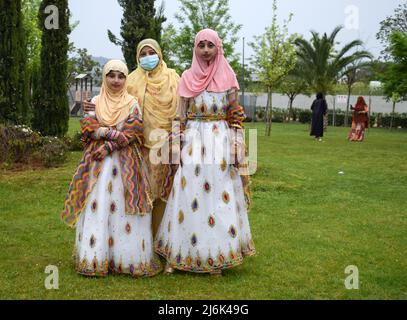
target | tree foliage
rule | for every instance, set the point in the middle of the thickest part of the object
(51, 110)
(274, 57)
(193, 16)
(82, 62)
(394, 78)
(321, 64)
(13, 68)
(140, 21)
(293, 85)
(33, 33)
(396, 22)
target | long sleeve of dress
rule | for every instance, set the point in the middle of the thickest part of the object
(175, 138)
(235, 112)
(235, 117)
(180, 120)
(132, 128)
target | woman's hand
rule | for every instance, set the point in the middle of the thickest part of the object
(118, 136)
(100, 153)
(88, 106)
(122, 140)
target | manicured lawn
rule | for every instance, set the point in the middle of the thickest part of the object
(308, 222)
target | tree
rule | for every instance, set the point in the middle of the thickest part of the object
(394, 79)
(293, 85)
(51, 110)
(193, 16)
(397, 22)
(274, 58)
(140, 21)
(82, 62)
(321, 64)
(13, 53)
(33, 33)
(33, 44)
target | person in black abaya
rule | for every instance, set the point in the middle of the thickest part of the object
(319, 108)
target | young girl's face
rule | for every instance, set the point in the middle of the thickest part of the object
(115, 80)
(206, 50)
(147, 51)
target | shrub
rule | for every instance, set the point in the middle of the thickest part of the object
(305, 116)
(339, 118)
(259, 114)
(295, 113)
(278, 115)
(18, 143)
(53, 152)
(372, 119)
(385, 121)
(21, 145)
(74, 143)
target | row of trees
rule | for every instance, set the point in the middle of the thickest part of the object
(38, 64)
(141, 20)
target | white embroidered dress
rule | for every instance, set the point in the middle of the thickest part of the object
(106, 237)
(205, 225)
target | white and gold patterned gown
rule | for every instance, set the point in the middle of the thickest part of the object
(108, 239)
(205, 225)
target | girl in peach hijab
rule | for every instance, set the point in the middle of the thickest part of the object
(205, 227)
(155, 87)
(109, 198)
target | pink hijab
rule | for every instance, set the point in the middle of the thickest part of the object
(217, 77)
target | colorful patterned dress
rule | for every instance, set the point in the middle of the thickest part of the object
(109, 202)
(205, 225)
(360, 122)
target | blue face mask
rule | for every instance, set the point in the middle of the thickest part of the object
(149, 62)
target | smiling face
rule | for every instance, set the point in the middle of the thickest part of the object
(206, 50)
(115, 80)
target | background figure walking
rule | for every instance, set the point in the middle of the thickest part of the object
(319, 108)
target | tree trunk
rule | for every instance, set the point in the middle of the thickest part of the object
(267, 108)
(392, 115)
(269, 113)
(333, 114)
(370, 107)
(290, 113)
(347, 106)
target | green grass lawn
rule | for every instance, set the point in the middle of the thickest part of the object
(308, 222)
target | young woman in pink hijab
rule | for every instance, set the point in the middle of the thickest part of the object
(205, 227)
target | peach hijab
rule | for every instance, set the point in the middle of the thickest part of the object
(218, 76)
(113, 107)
